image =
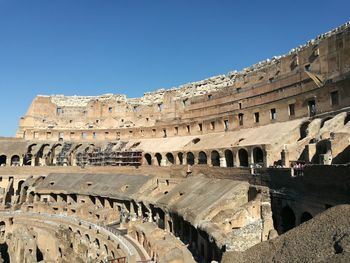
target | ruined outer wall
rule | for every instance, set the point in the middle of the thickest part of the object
(311, 72)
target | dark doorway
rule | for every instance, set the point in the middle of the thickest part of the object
(180, 156)
(3, 160)
(170, 158)
(243, 157)
(312, 107)
(288, 219)
(306, 216)
(202, 158)
(258, 155)
(159, 158)
(215, 158)
(190, 158)
(148, 158)
(39, 255)
(229, 158)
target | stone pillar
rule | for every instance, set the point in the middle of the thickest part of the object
(33, 161)
(163, 162)
(177, 159)
(154, 161)
(74, 160)
(150, 215)
(310, 151)
(285, 158)
(139, 210)
(223, 162)
(184, 159)
(250, 157)
(133, 215)
(107, 203)
(21, 161)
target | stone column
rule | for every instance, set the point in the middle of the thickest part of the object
(223, 162)
(133, 215)
(163, 162)
(310, 151)
(139, 210)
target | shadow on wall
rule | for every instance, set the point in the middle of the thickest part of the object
(343, 157)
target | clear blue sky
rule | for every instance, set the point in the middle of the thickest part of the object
(92, 47)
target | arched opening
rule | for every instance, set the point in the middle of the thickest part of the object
(19, 187)
(243, 157)
(288, 219)
(258, 156)
(215, 158)
(306, 216)
(159, 158)
(229, 158)
(202, 158)
(170, 158)
(321, 148)
(190, 158)
(44, 149)
(3, 159)
(27, 159)
(148, 159)
(181, 158)
(87, 238)
(15, 160)
(303, 130)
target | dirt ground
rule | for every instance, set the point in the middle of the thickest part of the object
(325, 238)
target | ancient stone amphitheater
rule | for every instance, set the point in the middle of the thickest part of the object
(215, 170)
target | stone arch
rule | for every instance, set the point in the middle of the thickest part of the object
(87, 237)
(159, 158)
(258, 155)
(229, 158)
(170, 158)
(202, 158)
(15, 160)
(40, 154)
(27, 160)
(180, 156)
(288, 218)
(215, 158)
(190, 158)
(306, 216)
(55, 150)
(3, 159)
(148, 159)
(243, 157)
